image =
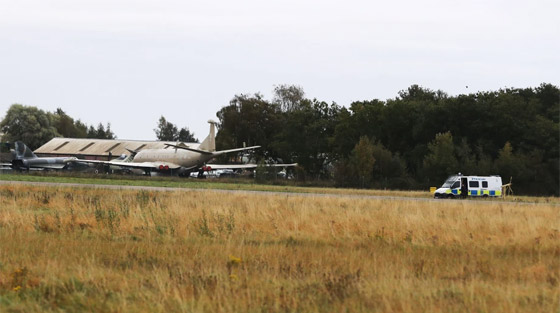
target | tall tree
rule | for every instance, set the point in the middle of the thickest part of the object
(185, 135)
(305, 134)
(288, 97)
(167, 131)
(66, 126)
(440, 161)
(101, 132)
(388, 170)
(414, 128)
(249, 120)
(508, 164)
(28, 124)
(362, 161)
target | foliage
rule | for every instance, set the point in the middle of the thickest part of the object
(167, 131)
(28, 124)
(66, 126)
(288, 97)
(362, 161)
(441, 160)
(249, 120)
(420, 137)
(35, 127)
(102, 132)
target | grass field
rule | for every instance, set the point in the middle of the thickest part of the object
(80, 249)
(230, 184)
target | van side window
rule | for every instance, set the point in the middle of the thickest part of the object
(455, 185)
(473, 184)
(484, 184)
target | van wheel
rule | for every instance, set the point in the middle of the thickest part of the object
(485, 196)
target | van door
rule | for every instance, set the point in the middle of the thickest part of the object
(464, 187)
(455, 188)
(484, 188)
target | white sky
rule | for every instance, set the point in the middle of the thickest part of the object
(129, 62)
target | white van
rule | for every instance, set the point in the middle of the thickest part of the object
(476, 186)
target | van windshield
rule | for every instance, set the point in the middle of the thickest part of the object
(449, 182)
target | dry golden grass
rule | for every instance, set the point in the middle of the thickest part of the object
(66, 249)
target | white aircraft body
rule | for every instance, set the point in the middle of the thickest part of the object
(180, 159)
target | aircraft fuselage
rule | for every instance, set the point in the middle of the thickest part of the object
(183, 158)
(52, 163)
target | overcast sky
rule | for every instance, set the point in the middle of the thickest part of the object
(129, 62)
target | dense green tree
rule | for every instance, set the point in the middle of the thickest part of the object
(28, 124)
(388, 170)
(81, 129)
(466, 159)
(304, 136)
(249, 120)
(440, 162)
(185, 135)
(101, 132)
(35, 127)
(293, 128)
(167, 131)
(66, 126)
(508, 164)
(288, 97)
(345, 134)
(361, 161)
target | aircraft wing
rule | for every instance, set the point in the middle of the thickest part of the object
(49, 166)
(189, 149)
(137, 165)
(243, 166)
(215, 153)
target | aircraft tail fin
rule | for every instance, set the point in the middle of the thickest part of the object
(209, 143)
(22, 151)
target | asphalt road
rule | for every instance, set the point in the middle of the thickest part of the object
(265, 193)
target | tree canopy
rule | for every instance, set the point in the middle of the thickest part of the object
(35, 126)
(167, 131)
(415, 139)
(419, 137)
(28, 124)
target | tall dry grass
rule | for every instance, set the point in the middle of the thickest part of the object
(64, 249)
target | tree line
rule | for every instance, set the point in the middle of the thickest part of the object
(412, 141)
(35, 127)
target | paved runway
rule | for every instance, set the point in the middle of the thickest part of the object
(274, 193)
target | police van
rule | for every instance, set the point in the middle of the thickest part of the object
(475, 186)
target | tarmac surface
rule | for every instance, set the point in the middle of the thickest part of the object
(264, 193)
